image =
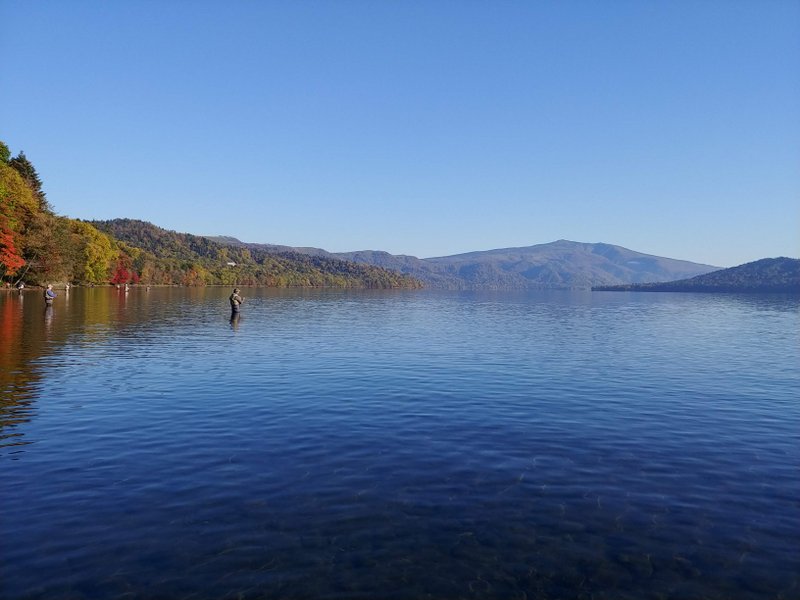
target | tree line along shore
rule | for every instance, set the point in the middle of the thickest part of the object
(38, 247)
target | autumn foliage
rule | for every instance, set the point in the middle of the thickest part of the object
(123, 271)
(10, 258)
(41, 247)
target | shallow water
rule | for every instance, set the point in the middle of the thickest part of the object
(411, 444)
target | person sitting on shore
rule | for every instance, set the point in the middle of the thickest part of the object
(236, 300)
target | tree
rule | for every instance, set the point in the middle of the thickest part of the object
(10, 258)
(195, 274)
(25, 168)
(122, 270)
(148, 271)
(95, 253)
(5, 153)
(17, 201)
(17, 208)
(48, 248)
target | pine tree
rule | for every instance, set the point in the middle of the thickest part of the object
(25, 168)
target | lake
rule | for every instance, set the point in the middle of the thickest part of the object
(399, 444)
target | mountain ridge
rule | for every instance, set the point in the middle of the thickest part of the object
(767, 275)
(200, 260)
(562, 264)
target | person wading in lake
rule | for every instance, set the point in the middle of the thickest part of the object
(236, 300)
(49, 294)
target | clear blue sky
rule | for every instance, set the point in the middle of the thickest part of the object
(427, 128)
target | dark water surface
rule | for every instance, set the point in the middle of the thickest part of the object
(399, 445)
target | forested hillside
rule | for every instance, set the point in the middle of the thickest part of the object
(198, 260)
(781, 275)
(38, 246)
(562, 264)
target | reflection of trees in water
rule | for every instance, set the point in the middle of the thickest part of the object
(23, 343)
(31, 331)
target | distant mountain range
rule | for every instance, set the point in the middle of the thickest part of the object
(561, 264)
(765, 275)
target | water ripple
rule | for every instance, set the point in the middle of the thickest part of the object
(401, 445)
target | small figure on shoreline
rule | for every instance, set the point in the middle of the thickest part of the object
(236, 300)
(49, 295)
(20, 287)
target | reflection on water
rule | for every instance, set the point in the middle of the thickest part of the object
(399, 445)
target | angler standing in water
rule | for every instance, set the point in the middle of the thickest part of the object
(49, 295)
(236, 300)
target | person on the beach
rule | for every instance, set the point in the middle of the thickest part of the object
(49, 294)
(236, 300)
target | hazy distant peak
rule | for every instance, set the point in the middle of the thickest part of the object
(766, 275)
(560, 264)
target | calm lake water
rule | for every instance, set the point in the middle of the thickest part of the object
(416, 444)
